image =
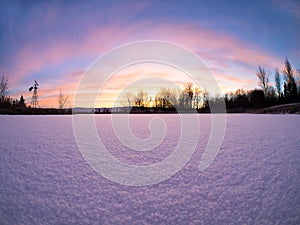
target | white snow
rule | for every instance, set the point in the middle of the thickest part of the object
(255, 178)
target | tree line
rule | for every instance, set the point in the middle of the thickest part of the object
(285, 89)
(168, 98)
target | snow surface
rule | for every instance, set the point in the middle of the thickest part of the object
(255, 178)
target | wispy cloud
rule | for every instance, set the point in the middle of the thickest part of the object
(61, 60)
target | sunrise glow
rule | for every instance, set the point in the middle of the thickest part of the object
(40, 41)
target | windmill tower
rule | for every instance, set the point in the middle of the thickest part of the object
(34, 100)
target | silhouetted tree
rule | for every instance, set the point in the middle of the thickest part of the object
(166, 98)
(22, 101)
(298, 82)
(62, 100)
(187, 95)
(257, 98)
(290, 87)
(241, 98)
(197, 98)
(156, 101)
(205, 97)
(263, 79)
(5, 100)
(278, 82)
(141, 99)
(128, 99)
(3, 88)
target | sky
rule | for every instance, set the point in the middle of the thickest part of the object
(55, 42)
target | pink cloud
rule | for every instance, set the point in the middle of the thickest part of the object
(225, 53)
(99, 40)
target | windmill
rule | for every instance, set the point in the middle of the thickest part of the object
(34, 100)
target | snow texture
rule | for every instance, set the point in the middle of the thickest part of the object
(255, 178)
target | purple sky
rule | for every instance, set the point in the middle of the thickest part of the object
(55, 41)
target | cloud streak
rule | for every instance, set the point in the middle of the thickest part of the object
(63, 49)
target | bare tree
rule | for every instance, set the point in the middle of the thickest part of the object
(62, 100)
(141, 99)
(167, 98)
(263, 79)
(3, 88)
(161, 98)
(206, 97)
(188, 94)
(197, 98)
(174, 97)
(127, 99)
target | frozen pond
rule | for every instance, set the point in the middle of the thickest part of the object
(255, 178)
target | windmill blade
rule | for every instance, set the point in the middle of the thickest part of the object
(36, 83)
(30, 89)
